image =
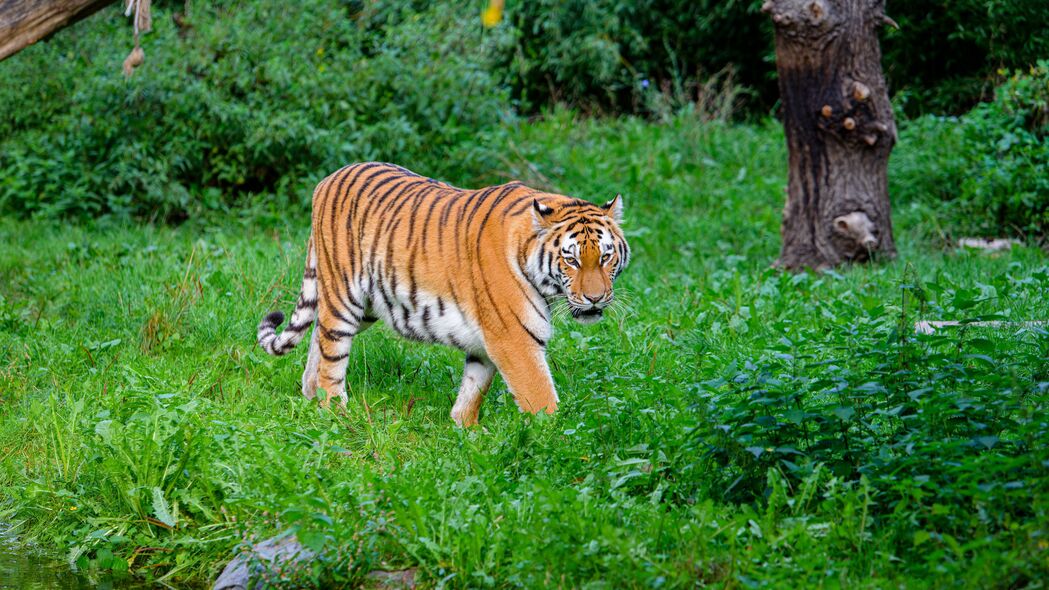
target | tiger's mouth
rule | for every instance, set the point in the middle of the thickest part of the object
(587, 316)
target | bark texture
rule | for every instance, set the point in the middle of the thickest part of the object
(839, 129)
(24, 22)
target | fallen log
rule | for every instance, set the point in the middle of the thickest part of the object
(930, 327)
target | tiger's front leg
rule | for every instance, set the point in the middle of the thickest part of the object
(522, 362)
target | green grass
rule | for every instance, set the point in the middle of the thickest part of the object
(730, 425)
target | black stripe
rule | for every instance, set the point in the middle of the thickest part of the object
(530, 333)
(299, 327)
(392, 196)
(495, 306)
(429, 213)
(334, 358)
(484, 221)
(336, 335)
(329, 261)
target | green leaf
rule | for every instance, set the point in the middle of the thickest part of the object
(988, 442)
(312, 540)
(844, 412)
(983, 345)
(161, 509)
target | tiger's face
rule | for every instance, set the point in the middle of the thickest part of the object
(584, 252)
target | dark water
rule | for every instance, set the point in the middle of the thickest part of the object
(23, 569)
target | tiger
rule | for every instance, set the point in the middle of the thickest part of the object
(477, 270)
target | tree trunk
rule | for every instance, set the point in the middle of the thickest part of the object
(839, 128)
(24, 22)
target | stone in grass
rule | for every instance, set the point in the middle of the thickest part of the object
(283, 551)
(271, 554)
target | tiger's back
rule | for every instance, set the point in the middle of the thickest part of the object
(398, 244)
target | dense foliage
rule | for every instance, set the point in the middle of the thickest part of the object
(238, 102)
(947, 53)
(614, 54)
(237, 107)
(989, 172)
(625, 55)
(728, 423)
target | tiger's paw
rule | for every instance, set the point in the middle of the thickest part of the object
(339, 395)
(464, 417)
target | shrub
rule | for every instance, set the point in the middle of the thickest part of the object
(946, 54)
(939, 425)
(240, 104)
(612, 54)
(989, 172)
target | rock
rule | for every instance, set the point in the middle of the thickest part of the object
(284, 550)
(394, 579)
(271, 553)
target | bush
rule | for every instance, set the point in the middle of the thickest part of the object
(613, 54)
(936, 425)
(947, 53)
(242, 103)
(988, 173)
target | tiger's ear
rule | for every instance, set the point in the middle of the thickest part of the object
(614, 208)
(541, 213)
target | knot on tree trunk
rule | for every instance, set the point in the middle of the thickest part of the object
(852, 117)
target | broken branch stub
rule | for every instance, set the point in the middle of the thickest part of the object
(133, 60)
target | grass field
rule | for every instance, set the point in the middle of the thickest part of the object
(728, 425)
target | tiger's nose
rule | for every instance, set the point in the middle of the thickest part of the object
(594, 298)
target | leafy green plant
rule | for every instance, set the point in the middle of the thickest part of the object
(990, 172)
(236, 106)
(622, 56)
(946, 57)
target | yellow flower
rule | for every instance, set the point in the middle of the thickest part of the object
(493, 14)
(72, 508)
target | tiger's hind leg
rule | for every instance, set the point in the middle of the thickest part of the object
(335, 331)
(477, 378)
(309, 375)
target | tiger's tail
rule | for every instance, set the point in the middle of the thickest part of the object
(301, 319)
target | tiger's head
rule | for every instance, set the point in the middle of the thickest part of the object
(582, 251)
